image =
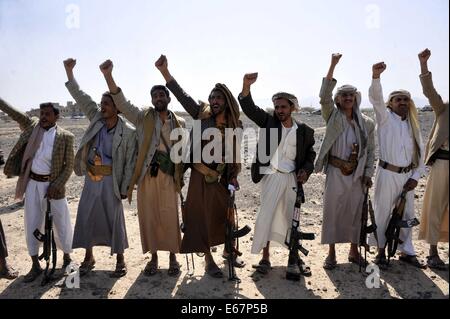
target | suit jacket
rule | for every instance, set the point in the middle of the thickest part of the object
(124, 146)
(62, 156)
(335, 127)
(305, 138)
(439, 131)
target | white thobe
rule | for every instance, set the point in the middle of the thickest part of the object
(277, 194)
(396, 146)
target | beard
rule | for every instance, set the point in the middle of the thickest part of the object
(161, 107)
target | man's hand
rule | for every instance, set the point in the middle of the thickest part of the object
(335, 57)
(410, 185)
(249, 79)
(424, 56)
(69, 64)
(302, 176)
(106, 67)
(377, 69)
(366, 181)
(162, 64)
(52, 192)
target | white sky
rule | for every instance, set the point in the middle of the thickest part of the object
(289, 42)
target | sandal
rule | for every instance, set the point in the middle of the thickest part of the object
(174, 268)
(329, 264)
(151, 268)
(304, 270)
(412, 259)
(263, 266)
(32, 274)
(86, 267)
(381, 261)
(237, 262)
(120, 271)
(435, 262)
(213, 270)
(358, 260)
(8, 273)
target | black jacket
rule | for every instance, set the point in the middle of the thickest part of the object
(305, 138)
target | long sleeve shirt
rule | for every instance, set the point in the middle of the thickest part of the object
(395, 136)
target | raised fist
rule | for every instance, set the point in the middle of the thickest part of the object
(250, 78)
(377, 69)
(335, 57)
(424, 56)
(106, 67)
(70, 63)
(161, 64)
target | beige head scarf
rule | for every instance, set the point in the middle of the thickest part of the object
(347, 88)
(413, 118)
(287, 96)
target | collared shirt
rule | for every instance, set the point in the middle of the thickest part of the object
(42, 160)
(395, 136)
(102, 145)
(283, 160)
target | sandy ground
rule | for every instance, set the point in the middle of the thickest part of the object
(401, 281)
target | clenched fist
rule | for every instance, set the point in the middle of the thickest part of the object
(106, 67)
(377, 69)
(335, 57)
(424, 56)
(162, 64)
(250, 78)
(70, 63)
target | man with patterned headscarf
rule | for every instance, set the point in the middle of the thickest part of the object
(207, 198)
(289, 163)
(400, 165)
(434, 219)
(346, 156)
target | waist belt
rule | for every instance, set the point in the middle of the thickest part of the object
(165, 163)
(211, 176)
(347, 168)
(39, 178)
(395, 169)
(100, 170)
(441, 154)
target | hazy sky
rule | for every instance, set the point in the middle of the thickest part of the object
(289, 42)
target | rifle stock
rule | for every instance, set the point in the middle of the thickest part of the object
(396, 223)
(232, 234)
(294, 236)
(49, 244)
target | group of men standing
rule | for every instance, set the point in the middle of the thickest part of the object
(125, 146)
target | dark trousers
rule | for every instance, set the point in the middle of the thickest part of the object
(3, 250)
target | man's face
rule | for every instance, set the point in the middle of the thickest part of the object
(217, 101)
(107, 107)
(47, 117)
(282, 109)
(400, 105)
(160, 100)
(347, 100)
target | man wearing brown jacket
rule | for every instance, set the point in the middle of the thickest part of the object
(43, 160)
(434, 223)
